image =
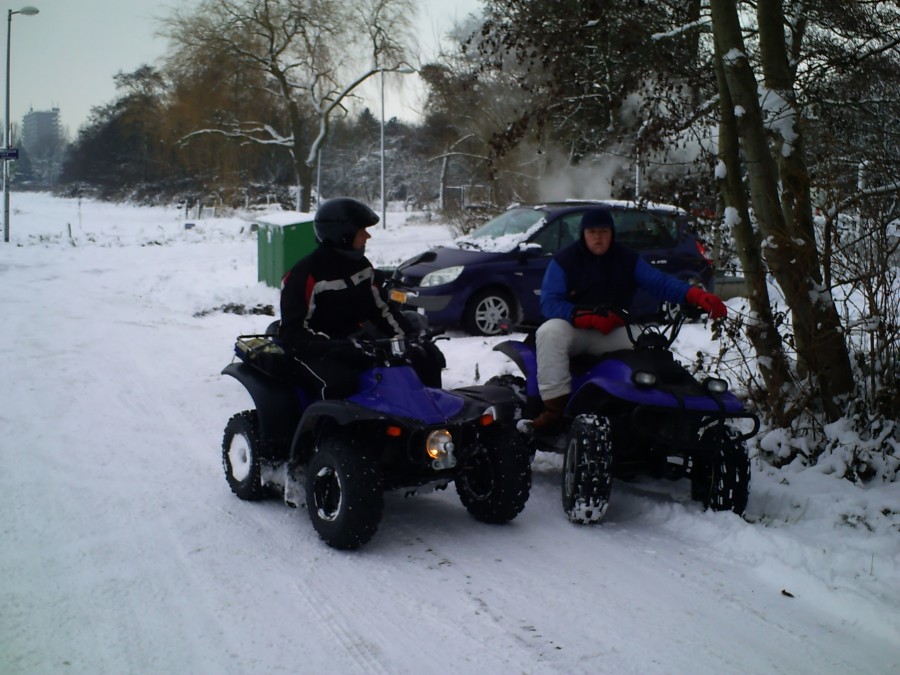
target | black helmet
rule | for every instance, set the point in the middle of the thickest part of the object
(338, 220)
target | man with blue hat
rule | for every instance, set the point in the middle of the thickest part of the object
(595, 271)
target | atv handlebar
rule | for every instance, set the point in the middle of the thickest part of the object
(390, 350)
(659, 330)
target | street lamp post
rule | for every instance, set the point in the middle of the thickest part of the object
(401, 71)
(27, 11)
(383, 206)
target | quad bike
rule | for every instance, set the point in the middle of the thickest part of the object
(640, 412)
(393, 433)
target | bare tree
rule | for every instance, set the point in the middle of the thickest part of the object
(305, 58)
(762, 332)
(813, 84)
(779, 189)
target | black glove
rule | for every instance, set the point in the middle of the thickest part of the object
(355, 353)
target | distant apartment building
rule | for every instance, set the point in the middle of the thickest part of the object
(41, 129)
(44, 147)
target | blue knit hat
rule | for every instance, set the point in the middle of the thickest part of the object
(597, 217)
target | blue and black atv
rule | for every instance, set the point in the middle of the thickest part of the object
(640, 411)
(394, 433)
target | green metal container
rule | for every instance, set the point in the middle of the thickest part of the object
(282, 238)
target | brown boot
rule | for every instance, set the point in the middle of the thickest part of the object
(550, 420)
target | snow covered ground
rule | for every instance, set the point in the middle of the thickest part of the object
(123, 550)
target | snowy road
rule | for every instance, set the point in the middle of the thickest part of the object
(123, 550)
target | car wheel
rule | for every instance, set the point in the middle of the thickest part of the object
(587, 470)
(344, 492)
(495, 480)
(240, 456)
(722, 481)
(488, 311)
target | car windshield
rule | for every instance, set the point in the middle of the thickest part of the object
(504, 232)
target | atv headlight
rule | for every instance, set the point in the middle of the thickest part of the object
(715, 385)
(439, 447)
(442, 276)
(643, 379)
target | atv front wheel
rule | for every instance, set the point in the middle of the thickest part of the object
(587, 470)
(240, 456)
(495, 480)
(344, 492)
(722, 483)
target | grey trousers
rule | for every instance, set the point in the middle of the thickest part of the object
(557, 340)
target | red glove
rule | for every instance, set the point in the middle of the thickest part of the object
(605, 324)
(706, 301)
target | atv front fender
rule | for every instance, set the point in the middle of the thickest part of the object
(277, 407)
(340, 411)
(330, 411)
(525, 357)
(616, 397)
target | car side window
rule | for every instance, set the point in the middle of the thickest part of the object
(559, 234)
(547, 238)
(639, 230)
(571, 229)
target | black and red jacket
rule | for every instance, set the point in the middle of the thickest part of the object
(329, 295)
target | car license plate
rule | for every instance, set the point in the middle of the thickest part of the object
(398, 296)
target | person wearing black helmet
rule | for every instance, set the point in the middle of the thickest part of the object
(595, 271)
(332, 294)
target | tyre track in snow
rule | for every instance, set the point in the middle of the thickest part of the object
(168, 611)
(645, 566)
(354, 644)
(448, 550)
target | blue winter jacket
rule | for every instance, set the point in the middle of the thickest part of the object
(577, 277)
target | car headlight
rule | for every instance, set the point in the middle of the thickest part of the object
(439, 447)
(442, 276)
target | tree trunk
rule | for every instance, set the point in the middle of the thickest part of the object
(820, 339)
(301, 167)
(761, 330)
(788, 243)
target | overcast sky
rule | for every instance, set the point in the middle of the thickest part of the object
(66, 56)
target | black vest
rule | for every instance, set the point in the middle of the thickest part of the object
(599, 280)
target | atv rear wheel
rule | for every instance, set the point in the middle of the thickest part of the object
(495, 480)
(587, 469)
(240, 456)
(722, 483)
(344, 492)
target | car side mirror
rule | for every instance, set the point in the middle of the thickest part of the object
(530, 249)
